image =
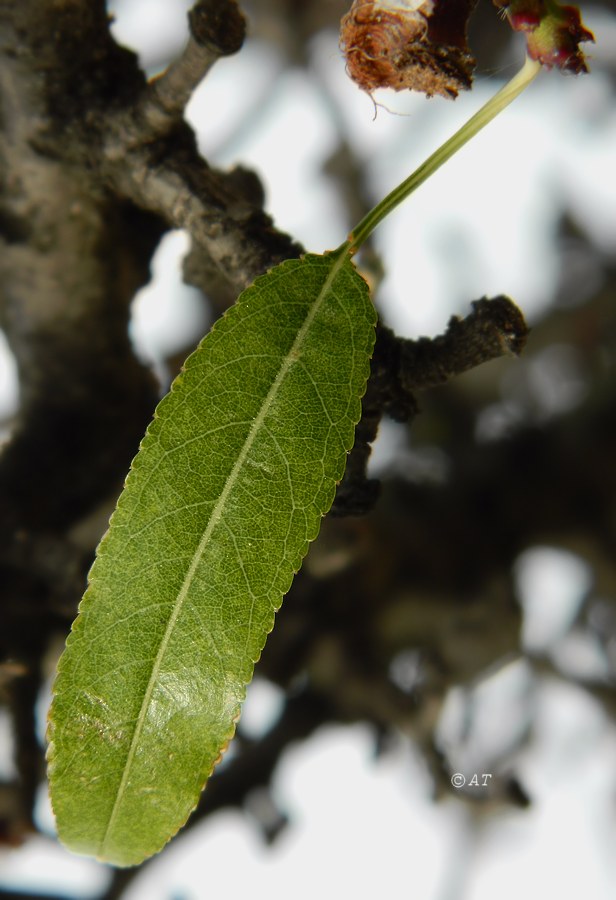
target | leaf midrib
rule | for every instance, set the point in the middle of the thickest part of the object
(215, 518)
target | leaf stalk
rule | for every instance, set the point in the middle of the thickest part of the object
(488, 111)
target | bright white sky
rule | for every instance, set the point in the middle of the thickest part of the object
(364, 828)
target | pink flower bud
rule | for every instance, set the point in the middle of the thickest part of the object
(553, 32)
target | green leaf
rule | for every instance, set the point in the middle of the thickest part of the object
(233, 476)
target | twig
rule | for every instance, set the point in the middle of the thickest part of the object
(495, 328)
(217, 29)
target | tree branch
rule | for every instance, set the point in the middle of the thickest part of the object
(217, 29)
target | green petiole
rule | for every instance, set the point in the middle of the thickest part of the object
(488, 111)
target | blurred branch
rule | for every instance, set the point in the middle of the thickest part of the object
(30, 895)
(148, 154)
(495, 328)
(399, 367)
(217, 29)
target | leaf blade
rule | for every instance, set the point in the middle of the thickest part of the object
(229, 486)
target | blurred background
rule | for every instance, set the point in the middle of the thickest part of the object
(487, 766)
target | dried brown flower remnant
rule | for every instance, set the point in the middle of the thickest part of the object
(409, 44)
